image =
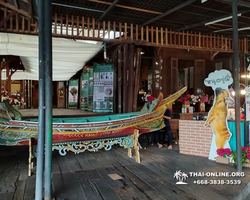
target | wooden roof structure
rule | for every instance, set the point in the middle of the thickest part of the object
(144, 20)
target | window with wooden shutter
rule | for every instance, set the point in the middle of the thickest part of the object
(199, 76)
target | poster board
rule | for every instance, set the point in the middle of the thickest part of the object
(103, 77)
(90, 89)
(84, 90)
(219, 80)
(73, 93)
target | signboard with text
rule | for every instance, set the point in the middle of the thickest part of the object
(103, 75)
(219, 80)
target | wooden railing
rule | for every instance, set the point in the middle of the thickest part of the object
(76, 27)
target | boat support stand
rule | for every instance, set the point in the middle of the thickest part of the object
(128, 142)
(32, 154)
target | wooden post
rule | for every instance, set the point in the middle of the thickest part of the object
(115, 106)
(119, 79)
(31, 94)
(125, 87)
(136, 146)
(1, 81)
(130, 152)
(30, 163)
(137, 78)
(7, 78)
(27, 93)
(131, 78)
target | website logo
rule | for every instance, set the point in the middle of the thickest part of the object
(180, 177)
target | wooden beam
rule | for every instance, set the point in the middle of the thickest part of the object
(8, 89)
(131, 77)
(16, 4)
(185, 3)
(119, 71)
(12, 72)
(213, 55)
(1, 80)
(137, 78)
(125, 87)
(8, 5)
(126, 7)
(7, 18)
(108, 10)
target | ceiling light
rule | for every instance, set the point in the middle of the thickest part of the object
(229, 29)
(242, 29)
(142, 52)
(221, 30)
(222, 19)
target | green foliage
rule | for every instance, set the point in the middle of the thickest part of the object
(243, 156)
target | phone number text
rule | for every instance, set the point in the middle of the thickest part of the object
(217, 182)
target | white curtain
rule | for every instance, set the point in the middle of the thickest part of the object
(68, 56)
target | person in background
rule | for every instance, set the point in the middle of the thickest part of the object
(167, 116)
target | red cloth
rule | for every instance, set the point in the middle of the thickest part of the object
(150, 98)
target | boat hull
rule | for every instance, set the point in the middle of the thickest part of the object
(19, 132)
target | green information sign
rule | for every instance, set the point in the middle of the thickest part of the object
(85, 91)
(103, 88)
(90, 89)
(73, 93)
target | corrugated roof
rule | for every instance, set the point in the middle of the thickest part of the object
(191, 17)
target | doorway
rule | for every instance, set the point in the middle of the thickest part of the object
(54, 94)
(35, 101)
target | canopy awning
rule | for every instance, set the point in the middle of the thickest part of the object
(68, 56)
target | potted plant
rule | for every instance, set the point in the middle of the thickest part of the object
(245, 156)
(203, 98)
(223, 155)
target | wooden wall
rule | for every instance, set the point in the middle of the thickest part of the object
(184, 55)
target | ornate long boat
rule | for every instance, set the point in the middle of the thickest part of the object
(66, 130)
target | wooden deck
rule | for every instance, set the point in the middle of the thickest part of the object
(112, 175)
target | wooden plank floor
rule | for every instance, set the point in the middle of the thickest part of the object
(89, 176)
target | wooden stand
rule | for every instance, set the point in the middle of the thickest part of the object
(223, 160)
(136, 147)
(31, 156)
